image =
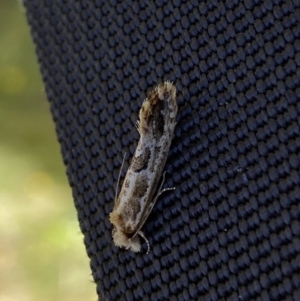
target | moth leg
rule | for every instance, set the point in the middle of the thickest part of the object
(140, 233)
(161, 191)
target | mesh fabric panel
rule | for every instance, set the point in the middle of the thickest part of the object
(230, 230)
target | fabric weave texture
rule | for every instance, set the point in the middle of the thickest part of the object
(231, 229)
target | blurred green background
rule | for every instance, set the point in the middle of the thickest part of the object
(42, 256)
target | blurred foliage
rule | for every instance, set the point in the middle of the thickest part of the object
(42, 256)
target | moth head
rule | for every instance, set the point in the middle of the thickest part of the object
(121, 237)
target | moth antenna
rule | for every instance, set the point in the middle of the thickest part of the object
(140, 233)
(119, 176)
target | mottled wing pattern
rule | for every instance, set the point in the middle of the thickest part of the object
(137, 196)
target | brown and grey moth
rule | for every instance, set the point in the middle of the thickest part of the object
(139, 192)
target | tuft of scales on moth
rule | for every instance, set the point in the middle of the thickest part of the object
(139, 193)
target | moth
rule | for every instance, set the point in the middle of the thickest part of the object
(139, 193)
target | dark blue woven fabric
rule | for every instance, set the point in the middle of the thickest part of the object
(230, 231)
